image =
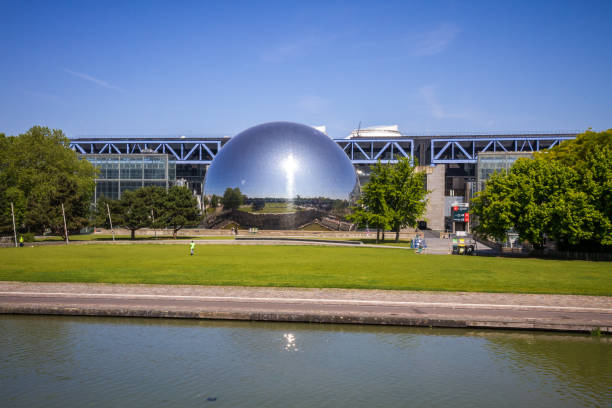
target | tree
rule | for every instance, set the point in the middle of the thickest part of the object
(180, 209)
(539, 187)
(16, 196)
(101, 212)
(372, 209)
(394, 197)
(137, 208)
(531, 198)
(150, 207)
(133, 212)
(214, 201)
(156, 200)
(494, 206)
(205, 203)
(39, 172)
(232, 198)
(258, 204)
(587, 214)
(340, 209)
(574, 153)
(406, 196)
(564, 194)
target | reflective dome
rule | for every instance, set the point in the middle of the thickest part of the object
(284, 170)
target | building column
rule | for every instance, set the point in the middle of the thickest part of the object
(434, 212)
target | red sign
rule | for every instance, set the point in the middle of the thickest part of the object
(467, 217)
(459, 212)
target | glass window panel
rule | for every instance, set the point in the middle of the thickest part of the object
(171, 170)
(157, 183)
(125, 167)
(154, 167)
(136, 170)
(111, 169)
(130, 185)
(109, 189)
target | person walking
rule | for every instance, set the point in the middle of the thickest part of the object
(21, 240)
(192, 247)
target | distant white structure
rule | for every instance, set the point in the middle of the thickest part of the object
(375, 131)
(321, 129)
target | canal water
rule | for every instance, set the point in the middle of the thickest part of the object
(58, 361)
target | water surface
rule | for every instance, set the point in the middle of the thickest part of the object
(98, 362)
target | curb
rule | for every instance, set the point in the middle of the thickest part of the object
(319, 317)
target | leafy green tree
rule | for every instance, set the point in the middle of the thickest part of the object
(530, 199)
(101, 212)
(540, 186)
(564, 194)
(157, 200)
(180, 209)
(258, 204)
(205, 203)
(133, 212)
(214, 201)
(232, 198)
(16, 196)
(394, 197)
(340, 208)
(574, 153)
(137, 208)
(406, 195)
(372, 209)
(150, 207)
(39, 173)
(589, 223)
(494, 206)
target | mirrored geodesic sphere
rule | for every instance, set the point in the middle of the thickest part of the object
(287, 175)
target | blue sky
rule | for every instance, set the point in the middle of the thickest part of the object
(217, 68)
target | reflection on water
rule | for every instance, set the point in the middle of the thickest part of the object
(290, 346)
(65, 361)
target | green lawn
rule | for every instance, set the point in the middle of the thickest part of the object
(301, 266)
(276, 208)
(388, 242)
(314, 227)
(109, 237)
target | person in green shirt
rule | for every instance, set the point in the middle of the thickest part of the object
(21, 240)
(192, 247)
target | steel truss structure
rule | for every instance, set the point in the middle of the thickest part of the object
(368, 151)
(202, 151)
(360, 151)
(466, 150)
(184, 151)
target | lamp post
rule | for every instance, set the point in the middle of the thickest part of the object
(111, 221)
(65, 228)
(14, 229)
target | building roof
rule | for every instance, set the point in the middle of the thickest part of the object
(375, 131)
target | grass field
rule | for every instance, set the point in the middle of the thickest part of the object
(109, 237)
(388, 242)
(315, 227)
(276, 208)
(301, 266)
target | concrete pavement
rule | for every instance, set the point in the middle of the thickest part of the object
(436, 309)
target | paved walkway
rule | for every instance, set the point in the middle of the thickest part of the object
(440, 309)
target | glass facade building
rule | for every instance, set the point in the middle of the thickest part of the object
(491, 162)
(119, 173)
